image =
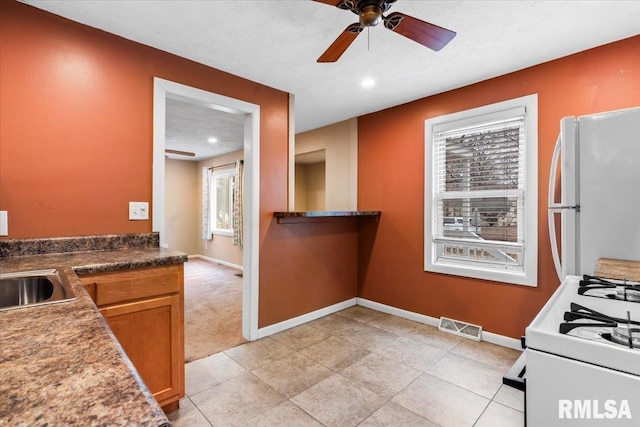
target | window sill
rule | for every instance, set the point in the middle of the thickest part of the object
(502, 276)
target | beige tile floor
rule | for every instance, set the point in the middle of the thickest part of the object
(355, 367)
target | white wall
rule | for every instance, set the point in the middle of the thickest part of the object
(340, 142)
(181, 205)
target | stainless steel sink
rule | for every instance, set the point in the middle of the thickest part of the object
(33, 288)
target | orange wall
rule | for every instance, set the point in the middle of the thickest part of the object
(391, 179)
(76, 147)
(314, 265)
(76, 136)
(77, 117)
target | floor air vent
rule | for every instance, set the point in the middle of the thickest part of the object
(462, 329)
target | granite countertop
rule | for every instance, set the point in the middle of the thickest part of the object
(60, 364)
(94, 261)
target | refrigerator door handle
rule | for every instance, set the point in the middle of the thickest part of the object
(554, 208)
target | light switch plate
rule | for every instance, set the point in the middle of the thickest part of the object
(138, 211)
(4, 227)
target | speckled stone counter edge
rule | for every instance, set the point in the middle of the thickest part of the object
(58, 245)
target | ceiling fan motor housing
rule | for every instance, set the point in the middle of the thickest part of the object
(370, 16)
(369, 11)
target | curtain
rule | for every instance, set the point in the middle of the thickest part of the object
(206, 182)
(238, 203)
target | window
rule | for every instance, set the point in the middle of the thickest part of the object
(481, 192)
(221, 199)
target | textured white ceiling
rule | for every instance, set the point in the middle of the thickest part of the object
(277, 42)
(188, 127)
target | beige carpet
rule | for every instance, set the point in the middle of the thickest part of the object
(212, 308)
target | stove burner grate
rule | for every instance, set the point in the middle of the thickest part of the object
(602, 288)
(622, 331)
(624, 336)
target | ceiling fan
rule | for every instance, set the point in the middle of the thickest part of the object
(371, 14)
(180, 153)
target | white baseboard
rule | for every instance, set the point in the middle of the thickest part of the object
(416, 317)
(216, 261)
(501, 340)
(422, 318)
(297, 321)
(432, 321)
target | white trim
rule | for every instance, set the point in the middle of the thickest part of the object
(405, 314)
(308, 317)
(501, 340)
(292, 153)
(529, 275)
(251, 226)
(490, 337)
(353, 164)
(485, 114)
(216, 261)
(225, 233)
(159, 115)
(251, 251)
(213, 201)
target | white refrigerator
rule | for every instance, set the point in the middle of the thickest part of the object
(596, 167)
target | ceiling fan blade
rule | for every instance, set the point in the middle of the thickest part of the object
(181, 153)
(329, 2)
(338, 47)
(342, 4)
(429, 35)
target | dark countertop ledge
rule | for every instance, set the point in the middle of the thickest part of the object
(323, 216)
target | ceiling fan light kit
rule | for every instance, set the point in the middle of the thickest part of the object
(371, 13)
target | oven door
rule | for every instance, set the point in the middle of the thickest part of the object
(563, 392)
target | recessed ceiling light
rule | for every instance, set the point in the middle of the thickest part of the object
(212, 140)
(367, 82)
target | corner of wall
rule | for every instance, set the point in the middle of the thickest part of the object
(353, 161)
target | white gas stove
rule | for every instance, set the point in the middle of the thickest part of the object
(583, 356)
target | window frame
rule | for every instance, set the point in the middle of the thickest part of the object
(213, 201)
(528, 276)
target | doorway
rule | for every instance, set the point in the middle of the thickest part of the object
(164, 90)
(310, 181)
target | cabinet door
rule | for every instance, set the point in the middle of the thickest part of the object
(149, 332)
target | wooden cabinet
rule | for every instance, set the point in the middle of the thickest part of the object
(144, 309)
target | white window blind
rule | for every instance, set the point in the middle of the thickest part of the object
(478, 195)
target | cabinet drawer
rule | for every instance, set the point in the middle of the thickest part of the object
(128, 285)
